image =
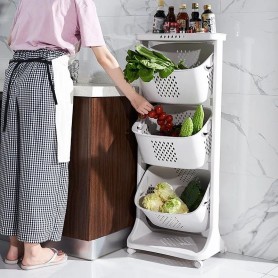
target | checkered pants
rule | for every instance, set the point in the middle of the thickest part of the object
(33, 185)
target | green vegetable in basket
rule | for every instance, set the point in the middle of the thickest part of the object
(193, 194)
(198, 119)
(174, 205)
(152, 202)
(164, 190)
(186, 128)
(145, 63)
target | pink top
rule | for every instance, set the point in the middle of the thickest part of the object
(56, 24)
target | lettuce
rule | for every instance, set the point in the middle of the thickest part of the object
(152, 202)
(145, 63)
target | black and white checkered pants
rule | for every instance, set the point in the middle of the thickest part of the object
(33, 185)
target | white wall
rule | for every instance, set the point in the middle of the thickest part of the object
(249, 163)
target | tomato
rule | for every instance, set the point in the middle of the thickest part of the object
(160, 122)
(158, 109)
(155, 116)
(162, 128)
(162, 116)
(169, 118)
(152, 114)
(169, 125)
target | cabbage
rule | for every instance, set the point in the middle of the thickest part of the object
(165, 191)
(152, 202)
(174, 205)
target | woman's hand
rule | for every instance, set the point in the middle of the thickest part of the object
(140, 104)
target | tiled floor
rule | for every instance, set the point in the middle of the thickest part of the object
(146, 265)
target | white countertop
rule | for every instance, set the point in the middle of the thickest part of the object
(90, 90)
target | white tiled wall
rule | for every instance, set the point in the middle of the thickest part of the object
(249, 157)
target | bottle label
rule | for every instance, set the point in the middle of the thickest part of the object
(182, 25)
(209, 23)
(195, 25)
(158, 24)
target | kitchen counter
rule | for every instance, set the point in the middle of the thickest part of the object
(90, 90)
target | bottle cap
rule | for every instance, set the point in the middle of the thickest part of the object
(195, 6)
(200, 30)
(183, 6)
(171, 8)
(161, 2)
(207, 7)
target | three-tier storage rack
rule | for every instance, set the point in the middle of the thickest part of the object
(194, 236)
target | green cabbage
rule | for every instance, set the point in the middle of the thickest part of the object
(174, 205)
(152, 202)
(165, 191)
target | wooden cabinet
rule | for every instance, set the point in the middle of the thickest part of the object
(102, 168)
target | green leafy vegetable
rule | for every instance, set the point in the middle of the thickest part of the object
(152, 202)
(145, 63)
(193, 194)
(164, 190)
(174, 205)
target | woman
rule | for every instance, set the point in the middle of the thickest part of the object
(36, 122)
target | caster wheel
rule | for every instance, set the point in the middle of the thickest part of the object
(198, 264)
(130, 251)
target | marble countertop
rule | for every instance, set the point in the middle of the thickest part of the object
(91, 90)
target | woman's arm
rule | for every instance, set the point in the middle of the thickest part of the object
(112, 68)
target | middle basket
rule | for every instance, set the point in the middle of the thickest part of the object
(175, 152)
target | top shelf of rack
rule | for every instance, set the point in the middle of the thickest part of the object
(182, 37)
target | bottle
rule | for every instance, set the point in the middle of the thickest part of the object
(170, 25)
(159, 18)
(208, 19)
(195, 21)
(182, 19)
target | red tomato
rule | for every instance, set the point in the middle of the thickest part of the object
(169, 125)
(162, 128)
(152, 114)
(169, 118)
(162, 116)
(158, 109)
(160, 122)
(155, 116)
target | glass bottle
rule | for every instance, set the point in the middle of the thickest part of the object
(195, 21)
(170, 25)
(159, 18)
(208, 19)
(182, 19)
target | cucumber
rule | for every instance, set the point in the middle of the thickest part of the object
(198, 119)
(186, 128)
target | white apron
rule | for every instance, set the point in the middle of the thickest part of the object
(64, 93)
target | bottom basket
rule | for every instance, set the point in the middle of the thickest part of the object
(194, 222)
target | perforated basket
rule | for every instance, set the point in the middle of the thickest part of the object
(176, 152)
(188, 86)
(194, 222)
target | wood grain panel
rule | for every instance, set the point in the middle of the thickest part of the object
(76, 222)
(113, 166)
(102, 168)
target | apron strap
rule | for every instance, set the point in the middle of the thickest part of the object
(18, 62)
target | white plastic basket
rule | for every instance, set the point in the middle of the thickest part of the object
(188, 86)
(176, 152)
(194, 222)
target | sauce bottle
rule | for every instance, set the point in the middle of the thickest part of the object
(182, 19)
(170, 25)
(195, 21)
(159, 18)
(208, 19)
